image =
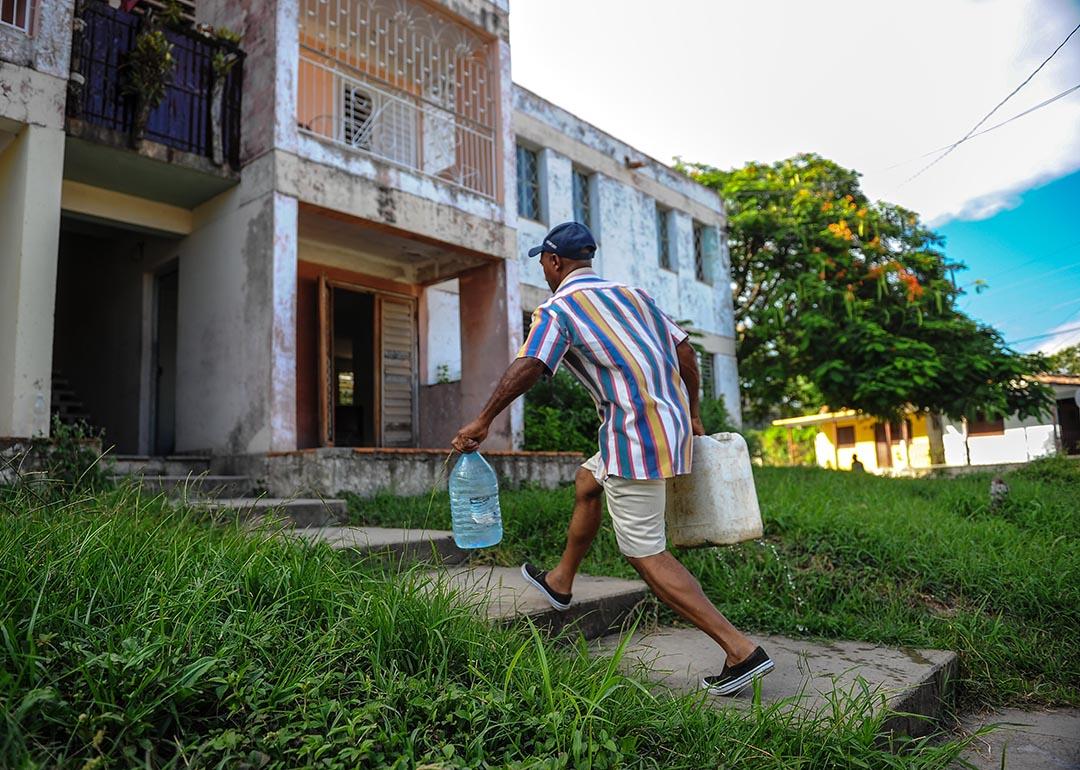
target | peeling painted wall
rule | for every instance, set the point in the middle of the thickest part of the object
(47, 48)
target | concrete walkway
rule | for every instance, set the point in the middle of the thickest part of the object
(809, 675)
(1026, 740)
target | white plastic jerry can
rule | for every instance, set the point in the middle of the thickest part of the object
(715, 504)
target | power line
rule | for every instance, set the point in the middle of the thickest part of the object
(1038, 106)
(1042, 336)
(986, 117)
(1010, 270)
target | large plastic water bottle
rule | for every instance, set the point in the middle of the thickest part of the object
(474, 503)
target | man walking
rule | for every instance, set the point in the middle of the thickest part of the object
(642, 373)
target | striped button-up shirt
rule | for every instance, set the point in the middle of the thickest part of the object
(621, 347)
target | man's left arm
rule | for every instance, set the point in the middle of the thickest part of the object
(688, 370)
(521, 375)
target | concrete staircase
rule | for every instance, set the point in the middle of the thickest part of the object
(807, 676)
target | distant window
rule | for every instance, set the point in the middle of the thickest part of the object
(663, 241)
(356, 108)
(708, 378)
(699, 251)
(582, 202)
(981, 426)
(896, 431)
(528, 183)
(845, 436)
(15, 13)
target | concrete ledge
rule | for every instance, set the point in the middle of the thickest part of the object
(600, 604)
(368, 472)
(298, 512)
(402, 546)
(808, 673)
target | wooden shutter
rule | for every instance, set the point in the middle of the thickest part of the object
(326, 363)
(397, 358)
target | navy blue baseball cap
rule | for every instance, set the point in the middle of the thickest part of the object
(570, 240)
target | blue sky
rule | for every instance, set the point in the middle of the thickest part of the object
(1030, 258)
(875, 87)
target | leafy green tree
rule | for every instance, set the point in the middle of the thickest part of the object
(844, 302)
(1065, 361)
(560, 416)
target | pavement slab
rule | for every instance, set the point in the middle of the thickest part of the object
(808, 672)
(1025, 740)
(404, 546)
(298, 512)
(600, 605)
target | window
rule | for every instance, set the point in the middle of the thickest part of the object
(528, 183)
(699, 251)
(845, 436)
(582, 201)
(663, 242)
(708, 379)
(896, 431)
(356, 108)
(15, 13)
(981, 426)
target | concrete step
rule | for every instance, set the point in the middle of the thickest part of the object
(300, 512)
(1025, 740)
(194, 485)
(600, 605)
(402, 546)
(149, 465)
(918, 682)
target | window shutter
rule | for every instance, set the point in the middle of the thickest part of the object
(398, 356)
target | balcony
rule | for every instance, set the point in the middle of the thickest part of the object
(401, 81)
(200, 114)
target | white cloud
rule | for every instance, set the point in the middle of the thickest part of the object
(867, 84)
(1064, 336)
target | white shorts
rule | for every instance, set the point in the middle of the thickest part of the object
(637, 510)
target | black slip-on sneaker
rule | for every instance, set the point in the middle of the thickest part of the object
(734, 678)
(535, 577)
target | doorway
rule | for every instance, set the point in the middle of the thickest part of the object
(166, 303)
(1069, 420)
(367, 367)
(354, 368)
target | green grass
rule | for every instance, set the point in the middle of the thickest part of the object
(915, 562)
(133, 634)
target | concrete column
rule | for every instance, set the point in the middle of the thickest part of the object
(31, 174)
(236, 391)
(490, 336)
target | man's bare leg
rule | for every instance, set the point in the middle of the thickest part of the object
(681, 591)
(584, 524)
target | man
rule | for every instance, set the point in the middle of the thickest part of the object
(642, 373)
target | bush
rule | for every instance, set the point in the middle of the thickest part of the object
(560, 417)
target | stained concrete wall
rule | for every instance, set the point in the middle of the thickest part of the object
(329, 472)
(237, 321)
(1023, 440)
(47, 47)
(30, 181)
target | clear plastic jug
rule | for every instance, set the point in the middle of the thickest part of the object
(474, 503)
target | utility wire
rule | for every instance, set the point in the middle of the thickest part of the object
(986, 117)
(1042, 336)
(1038, 106)
(1022, 265)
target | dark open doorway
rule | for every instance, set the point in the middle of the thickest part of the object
(1068, 414)
(354, 368)
(166, 305)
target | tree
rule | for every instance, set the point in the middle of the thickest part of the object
(1065, 361)
(843, 302)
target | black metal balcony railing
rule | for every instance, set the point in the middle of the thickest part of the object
(183, 119)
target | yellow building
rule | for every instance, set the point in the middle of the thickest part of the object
(881, 448)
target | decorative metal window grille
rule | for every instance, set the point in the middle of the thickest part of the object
(708, 379)
(15, 13)
(582, 203)
(429, 79)
(528, 183)
(699, 251)
(663, 241)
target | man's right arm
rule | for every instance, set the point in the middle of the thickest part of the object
(521, 375)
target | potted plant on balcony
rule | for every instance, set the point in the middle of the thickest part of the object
(148, 70)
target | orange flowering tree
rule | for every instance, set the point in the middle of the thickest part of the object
(845, 302)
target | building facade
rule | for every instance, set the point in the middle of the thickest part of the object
(315, 238)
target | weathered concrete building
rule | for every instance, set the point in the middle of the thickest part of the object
(316, 238)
